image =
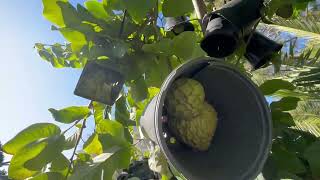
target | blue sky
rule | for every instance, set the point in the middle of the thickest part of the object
(29, 85)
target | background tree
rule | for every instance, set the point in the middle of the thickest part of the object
(129, 37)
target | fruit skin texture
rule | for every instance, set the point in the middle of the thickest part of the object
(191, 118)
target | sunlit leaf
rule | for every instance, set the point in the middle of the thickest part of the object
(93, 145)
(76, 38)
(52, 12)
(48, 176)
(16, 168)
(59, 163)
(175, 8)
(97, 9)
(70, 114)
(54, 146)
(29, 135)
(138, 9)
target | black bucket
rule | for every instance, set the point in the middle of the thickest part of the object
(242, 140)
(260, 50)
(228, 25)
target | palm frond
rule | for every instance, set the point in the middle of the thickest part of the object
(307, 117)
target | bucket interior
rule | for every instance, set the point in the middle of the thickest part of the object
(243, 136)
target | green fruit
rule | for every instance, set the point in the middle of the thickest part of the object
(191, 119)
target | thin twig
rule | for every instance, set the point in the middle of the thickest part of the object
(75, 148)
(78, 141)
(122, 23)
(5, 163)
(71, 126)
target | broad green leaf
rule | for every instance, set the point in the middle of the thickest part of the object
(162, 47)
(52, 12)
(287, 161)
(312, 154)
(138, 9)
(280, 118)
(60, 163)
(106, 163)
(271, 86)
(48, 176)
(76, 38)
(285, 104)
(111, 133)
(71, 141)
(98, 112)
(113, 128)
(122, 114)
(157, 73)
(185, 45)
(70, 114)
(175, 8)
(16, 168)
(92, 145)
(29, 135)
(119, 160)
(97, 9)
(54, 146)
(139, 89)
(70, 15)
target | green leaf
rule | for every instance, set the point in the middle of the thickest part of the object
(70, 114)
(98, 112)
(271, 86)
(92, 145)
(122, 114)
(70, 15)
(111, 133)
(185, 46)
(52, 12)
(29, 135)
(16, 168)
(162, 47)
(285, 104)
(71, 141)
(139, 89)
(312, 154)
(175, 8)
(106, 163)
(110, 127)
(48, 176)
(97, 9)
(60, 163)
(287, 161)
(138, 9)
(54, 146)
(280, 118)
(157, 73)
(76, 38)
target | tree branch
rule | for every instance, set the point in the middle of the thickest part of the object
(122, 23)
(77, 143)
(75, 148)
(201, 11)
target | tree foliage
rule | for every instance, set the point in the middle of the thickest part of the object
(128, 36)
